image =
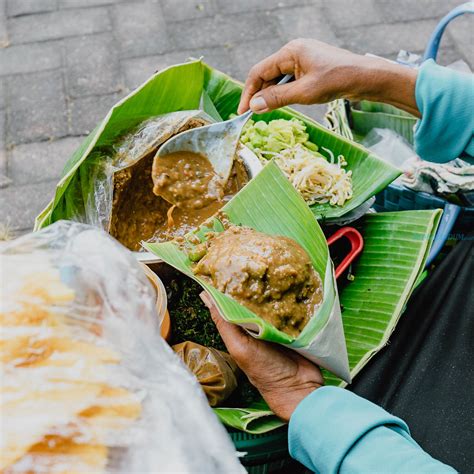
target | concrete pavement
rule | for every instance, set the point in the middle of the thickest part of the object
(64, 63)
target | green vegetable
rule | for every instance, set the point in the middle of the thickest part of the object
(268, 139)
(190, 318)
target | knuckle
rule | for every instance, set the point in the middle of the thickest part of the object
(297, 43)
(254, 72)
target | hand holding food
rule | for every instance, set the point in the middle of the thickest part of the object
(282, 376)
(324, 73)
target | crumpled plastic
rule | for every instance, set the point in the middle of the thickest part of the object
(88, 384)
(215, 370)
(444, 179)
(108, 172)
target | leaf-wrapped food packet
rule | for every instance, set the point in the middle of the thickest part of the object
(269, 204)
(215, 370)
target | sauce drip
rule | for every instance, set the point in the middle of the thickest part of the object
(181, 220)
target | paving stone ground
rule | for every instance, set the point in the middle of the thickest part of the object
(64, 63)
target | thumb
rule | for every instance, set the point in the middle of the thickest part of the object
(230, 333)
(274, 97)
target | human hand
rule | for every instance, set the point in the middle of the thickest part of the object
(324, 73)
(282, 376)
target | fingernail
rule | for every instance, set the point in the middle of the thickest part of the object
(258, 104)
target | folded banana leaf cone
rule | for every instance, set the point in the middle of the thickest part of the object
(269, 204)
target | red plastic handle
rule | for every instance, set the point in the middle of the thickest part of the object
(357, 244)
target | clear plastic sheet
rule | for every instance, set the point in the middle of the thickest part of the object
(88, 384)
(102, 167)
(389, 146)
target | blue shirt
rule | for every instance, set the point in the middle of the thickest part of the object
(333, 430)
(445, 99)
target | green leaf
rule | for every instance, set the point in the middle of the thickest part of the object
(175, 88)
(250, 420)
(396, 245)
(367, 115)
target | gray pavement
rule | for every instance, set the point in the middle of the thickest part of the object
(64, 63)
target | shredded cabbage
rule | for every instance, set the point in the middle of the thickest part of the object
(318, 179)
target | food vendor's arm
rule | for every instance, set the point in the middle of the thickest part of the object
(334, 430)
(331, 429)
(444, 99)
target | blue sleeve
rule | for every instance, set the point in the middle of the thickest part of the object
(445, 99)
(333, 430)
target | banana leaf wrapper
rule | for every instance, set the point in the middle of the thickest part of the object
(271, 205)
(396, 245)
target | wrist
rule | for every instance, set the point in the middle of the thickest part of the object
(379, 80)
(283, 401)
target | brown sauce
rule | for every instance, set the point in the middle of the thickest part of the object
(186, 179)
(136, 211)
(139, 215)
(185, 220)
(271, 275)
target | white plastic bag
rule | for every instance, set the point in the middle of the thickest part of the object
(88, 384)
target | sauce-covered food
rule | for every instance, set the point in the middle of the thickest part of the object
(180, 219)
(271, 275)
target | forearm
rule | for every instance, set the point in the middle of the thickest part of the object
(379, 80)
(334, 430)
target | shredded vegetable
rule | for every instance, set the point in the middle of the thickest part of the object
(318, 179)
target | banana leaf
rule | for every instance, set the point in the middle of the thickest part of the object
(367, 115)
(271, 205)
(395, 248)
(256, 419)
(185, 87)
(396, 245)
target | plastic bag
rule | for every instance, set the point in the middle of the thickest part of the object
(216, 371)
(88, 384)
(121, 198)
(392, 148)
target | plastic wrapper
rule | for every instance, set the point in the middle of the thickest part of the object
(215, 370)
(116, 185)
(390, 146)
(88, 384)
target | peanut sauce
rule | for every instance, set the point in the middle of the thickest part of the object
(271, 275)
